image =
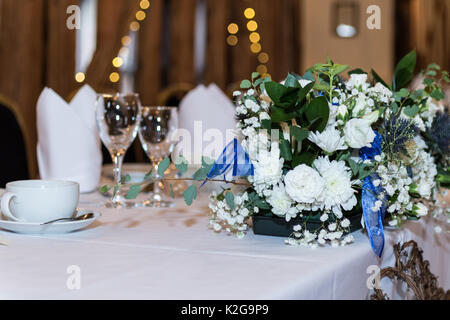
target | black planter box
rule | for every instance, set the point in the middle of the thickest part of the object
(278, 227)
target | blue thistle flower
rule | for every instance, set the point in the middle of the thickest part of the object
(440, 133)
(397, 132)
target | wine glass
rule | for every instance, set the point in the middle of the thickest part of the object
(118, 118)
(156, 132)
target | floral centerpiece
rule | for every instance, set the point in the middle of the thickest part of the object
(323, 156)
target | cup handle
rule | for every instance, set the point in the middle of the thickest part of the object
(6, 199)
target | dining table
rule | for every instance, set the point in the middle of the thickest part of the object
(171, 253)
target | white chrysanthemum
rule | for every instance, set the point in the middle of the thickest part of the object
(338, 184)
(268, 167)
(280, 201)
(304, 184)
(328, 140)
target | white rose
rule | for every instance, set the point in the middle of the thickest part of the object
(358, 133)
(371, 117)
(303, 184)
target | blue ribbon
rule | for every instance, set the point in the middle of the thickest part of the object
(370, 193)
(234, 158)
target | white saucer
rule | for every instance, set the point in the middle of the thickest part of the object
(52, 228)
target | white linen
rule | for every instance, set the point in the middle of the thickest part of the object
(207, 114)
(171, 254)
(68, 143)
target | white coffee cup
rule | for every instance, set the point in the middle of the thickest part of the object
(40, 200)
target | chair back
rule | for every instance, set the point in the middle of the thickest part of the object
(14, 161)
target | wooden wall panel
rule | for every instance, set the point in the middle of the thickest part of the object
(60, 49)
(276, 25)
(430, 34)
(181, 61)
(114, 18)
(369, 49)
(216, 64)
(22, 63)
(148, 76)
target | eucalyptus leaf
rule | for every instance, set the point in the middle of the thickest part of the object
(200, 174)
(133, 191)
(437, 94)
(163, 165)
(308, 76)
(181, 164)
(190, 194)
(411, 111)
(229, 198)
(291, 81)
(246, 84)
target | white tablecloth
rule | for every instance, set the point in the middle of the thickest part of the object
(171, 254)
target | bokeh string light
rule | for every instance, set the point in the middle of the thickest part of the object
(118, 61)
(255, 42)
(254, 37)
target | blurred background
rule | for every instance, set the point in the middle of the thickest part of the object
(164, 48)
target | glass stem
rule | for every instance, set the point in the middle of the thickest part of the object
(117, 161)
(156, 189)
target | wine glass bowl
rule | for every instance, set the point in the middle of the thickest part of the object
(156, 133)
(118, 118)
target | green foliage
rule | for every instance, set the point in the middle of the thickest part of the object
(411, 111)
(404, 71)
(133, 191)
(298, 133)
(318, 109)
(285, 150)
(190, 194)
(105, 189)
(163, 165)
(303, 158)
(229, 198)
(206, 167)
(246, 84)
(181, 164)
(377, 78)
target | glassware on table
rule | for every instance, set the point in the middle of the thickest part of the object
(156, 132)
(118, 117)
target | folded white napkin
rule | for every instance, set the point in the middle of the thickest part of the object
(214, 110)
(68, 143)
